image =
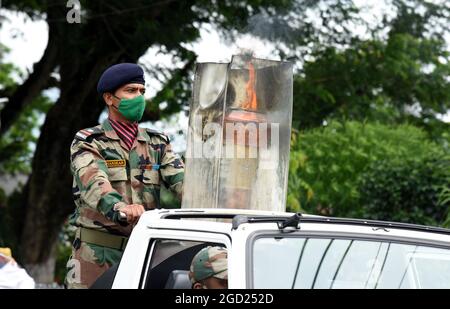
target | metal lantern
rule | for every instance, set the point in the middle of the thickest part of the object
(239, 135)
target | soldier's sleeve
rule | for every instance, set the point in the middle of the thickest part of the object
(89, 170)
(172, 170)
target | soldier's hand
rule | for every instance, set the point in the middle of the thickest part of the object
(133, 212)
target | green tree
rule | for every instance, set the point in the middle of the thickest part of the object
(327, 163)
(395, 77)
(375, 80)
(407, 190)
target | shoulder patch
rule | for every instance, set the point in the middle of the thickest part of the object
(84, 134)
(163, 136)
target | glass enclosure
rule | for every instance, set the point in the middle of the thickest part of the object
(239, 135)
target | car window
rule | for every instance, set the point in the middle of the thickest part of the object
(168, 257)
(165, 248)
(330, 263)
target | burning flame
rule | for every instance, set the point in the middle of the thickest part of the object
(248, 111)
(251, 103)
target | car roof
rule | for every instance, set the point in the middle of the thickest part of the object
(210, 217)
(186, 212)
(164, 218)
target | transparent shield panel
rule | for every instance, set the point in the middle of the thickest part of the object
(244, 112)
(204, 136)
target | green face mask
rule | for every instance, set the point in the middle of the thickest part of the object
(132, 109)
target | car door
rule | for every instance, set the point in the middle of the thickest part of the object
(162, 252)
(352, 257)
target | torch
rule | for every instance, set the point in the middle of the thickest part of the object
(241, 140)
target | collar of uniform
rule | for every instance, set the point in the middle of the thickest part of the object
(110, 133)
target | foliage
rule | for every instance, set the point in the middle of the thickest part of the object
(17, 145)
(399, 72)
(405, 189)
(403, 79)
(6, 69)
(327, 163)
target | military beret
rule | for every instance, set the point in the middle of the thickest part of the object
(118, 75)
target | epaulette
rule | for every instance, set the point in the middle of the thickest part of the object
(158, 133)
(85, 134)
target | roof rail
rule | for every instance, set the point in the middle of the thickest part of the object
(282, 222)
(298, 218)
(197, 215)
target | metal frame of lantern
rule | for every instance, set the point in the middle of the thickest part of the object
(245, 97)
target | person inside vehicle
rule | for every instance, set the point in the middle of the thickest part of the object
(209, 268)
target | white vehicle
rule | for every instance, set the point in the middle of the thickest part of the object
(269, 250)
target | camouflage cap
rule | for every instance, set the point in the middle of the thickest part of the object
(209, 262)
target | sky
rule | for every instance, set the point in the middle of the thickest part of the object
(27, 40)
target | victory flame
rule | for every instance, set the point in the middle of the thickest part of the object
(251, 103)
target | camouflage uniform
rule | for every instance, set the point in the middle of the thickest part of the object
(209, 262)
(107, 177)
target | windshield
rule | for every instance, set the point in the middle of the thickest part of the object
(325, 263)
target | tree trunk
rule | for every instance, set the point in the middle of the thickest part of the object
(48, 196)
(34, 84)
(44, 272)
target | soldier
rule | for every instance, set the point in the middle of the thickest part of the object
(117, 167)
(209, 269)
